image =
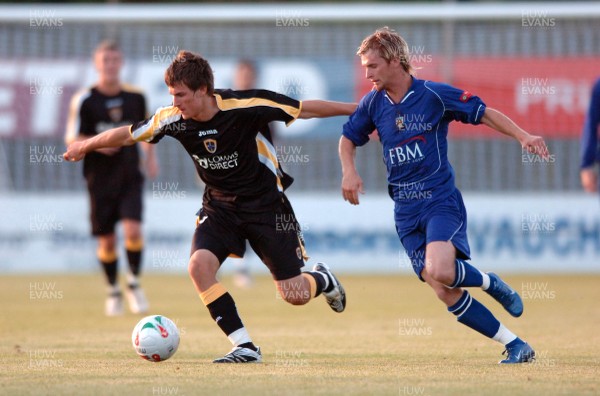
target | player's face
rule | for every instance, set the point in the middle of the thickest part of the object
(244, 78)
(186, 100)
(108, 64)
(378, 70)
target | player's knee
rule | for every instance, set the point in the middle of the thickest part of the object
(107, 243)
(441, 273)
(197, 269)
(201, 267)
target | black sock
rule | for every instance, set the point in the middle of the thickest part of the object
(135, 260)
(225, 314)
(110, 270)
(249, 345)
(319, 280)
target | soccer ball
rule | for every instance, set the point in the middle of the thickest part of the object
(155, 338)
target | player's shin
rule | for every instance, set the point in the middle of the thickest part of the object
(108, 259)
(222, 309)
(467, 275)
(317, 281)
(134, 248)
(475, 315)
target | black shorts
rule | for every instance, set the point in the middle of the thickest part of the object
(114, 200)
(274, 235)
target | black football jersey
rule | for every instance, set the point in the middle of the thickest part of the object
(92, 113)
(236, 161)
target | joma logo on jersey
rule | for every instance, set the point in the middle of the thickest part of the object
(407, 151)
(208, 132)
(211, 145)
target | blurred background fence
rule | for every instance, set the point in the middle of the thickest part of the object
(536, 62)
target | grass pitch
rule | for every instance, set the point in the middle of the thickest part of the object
(395, 338)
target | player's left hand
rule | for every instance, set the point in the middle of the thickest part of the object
(535, 145)
(74, 152)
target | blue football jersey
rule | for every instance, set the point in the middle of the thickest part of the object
(413, 134)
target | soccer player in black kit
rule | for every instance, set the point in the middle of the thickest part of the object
(113, 177)
(244, 196)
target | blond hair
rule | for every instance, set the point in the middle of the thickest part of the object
(390, 45)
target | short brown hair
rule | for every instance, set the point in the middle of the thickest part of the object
(107, 45)
(191, 70)
(390, 46)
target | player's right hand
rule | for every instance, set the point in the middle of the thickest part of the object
(74, 152)
(589, 180)
(352, 184)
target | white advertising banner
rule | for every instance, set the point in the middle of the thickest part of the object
(511, 233)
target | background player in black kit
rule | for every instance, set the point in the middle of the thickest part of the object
(113, 177)
(243, 199)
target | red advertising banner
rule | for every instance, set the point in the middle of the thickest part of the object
(545, 96)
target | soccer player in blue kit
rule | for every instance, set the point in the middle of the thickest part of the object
(412, 117)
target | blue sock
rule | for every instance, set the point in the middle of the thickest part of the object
(466, 275)
(473, 314)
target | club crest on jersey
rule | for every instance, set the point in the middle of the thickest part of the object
(400, 122)
(115, 114)
(211, 145)
(465, 96)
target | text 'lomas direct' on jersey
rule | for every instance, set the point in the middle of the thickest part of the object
(230, 153)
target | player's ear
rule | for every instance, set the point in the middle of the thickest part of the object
(201, 91)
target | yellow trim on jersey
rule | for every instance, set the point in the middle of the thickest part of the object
(305, 255)
(212, 293)
(131, 88)
(267, 156)
(234, 103)
(162, 117)
(73, 121)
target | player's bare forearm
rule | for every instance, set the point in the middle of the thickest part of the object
(106, 151)
(325, 108)
(352, 184)
(116, 137)
(501, 123)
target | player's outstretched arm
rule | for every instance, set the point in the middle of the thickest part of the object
(115, 137)
(325, 108)
(352, 184)
(501, 123)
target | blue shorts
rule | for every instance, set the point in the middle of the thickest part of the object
(430, 221)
